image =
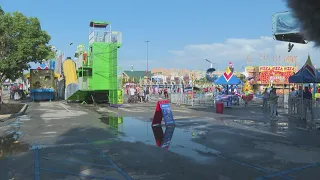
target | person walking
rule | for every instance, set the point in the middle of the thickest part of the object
(246, 97)
(265, 100)
(147, 95)
(141, 95)
(132, 93)
(165, 92)
(293, 93)
(273, 99)
(292, 99)
(307, 101)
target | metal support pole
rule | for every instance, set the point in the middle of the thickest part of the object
(147, 56)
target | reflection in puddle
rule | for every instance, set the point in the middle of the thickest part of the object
(179, 140)
(163, 140)
(9, 143)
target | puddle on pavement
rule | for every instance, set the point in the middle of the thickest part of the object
(9, 143)
(172, 138)
(277, 127)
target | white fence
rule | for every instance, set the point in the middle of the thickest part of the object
(208, 100)
(304, 108)
(197, 100)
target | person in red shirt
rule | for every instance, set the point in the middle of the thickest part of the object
(165, 92)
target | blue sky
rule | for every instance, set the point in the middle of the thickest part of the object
(172, 26)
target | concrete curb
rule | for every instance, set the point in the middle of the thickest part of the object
(5, 117)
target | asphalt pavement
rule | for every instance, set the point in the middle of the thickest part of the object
(60, 140)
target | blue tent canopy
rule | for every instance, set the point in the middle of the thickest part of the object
(233, 80)
(307, 74)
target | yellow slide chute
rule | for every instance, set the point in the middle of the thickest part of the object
(69, 70)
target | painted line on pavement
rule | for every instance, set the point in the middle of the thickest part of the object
(66, 108)
(125, 175)
(36, 162)
(285, 172)
(251, 166)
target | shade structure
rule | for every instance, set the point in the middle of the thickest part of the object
(307, 74)
(228, 78)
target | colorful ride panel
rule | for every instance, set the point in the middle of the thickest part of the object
(93, 76)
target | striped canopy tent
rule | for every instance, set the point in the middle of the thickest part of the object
(228, 78)
(307, 74)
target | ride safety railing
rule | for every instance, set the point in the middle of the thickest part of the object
(196, 100)
(304, 108)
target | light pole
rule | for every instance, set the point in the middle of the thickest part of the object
(209, 62)
(147, 56)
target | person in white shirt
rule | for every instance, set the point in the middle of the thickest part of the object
(132, 92)
(291, 100)
(273, 99)
(265, 99)
(293, 93)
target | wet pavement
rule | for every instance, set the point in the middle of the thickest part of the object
(55, 140)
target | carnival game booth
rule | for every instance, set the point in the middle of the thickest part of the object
(230, 84)
(300, 106)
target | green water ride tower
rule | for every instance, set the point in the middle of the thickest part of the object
(96, 69)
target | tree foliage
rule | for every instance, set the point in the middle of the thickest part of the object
(21, 41)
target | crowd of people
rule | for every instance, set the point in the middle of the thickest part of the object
(143, 94)
(270, 99)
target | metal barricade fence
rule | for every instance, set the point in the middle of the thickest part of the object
(208, 100)
(304, 108)
(197, 100)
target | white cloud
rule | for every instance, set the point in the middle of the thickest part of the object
(237, 50)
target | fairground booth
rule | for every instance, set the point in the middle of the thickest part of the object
(304, 105)
(229, 91)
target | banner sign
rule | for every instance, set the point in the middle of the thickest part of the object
(275, 74)
(163, 111)
(264, 68)
(167, 114)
